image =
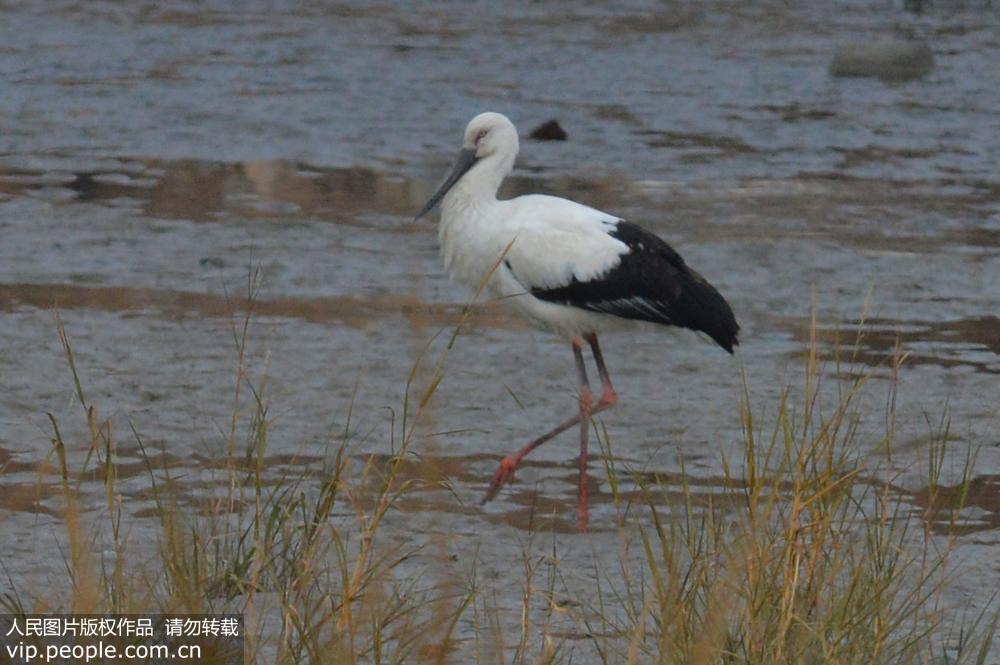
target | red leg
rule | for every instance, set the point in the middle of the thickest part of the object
(510, 463)
(587, 409)
(608, 397)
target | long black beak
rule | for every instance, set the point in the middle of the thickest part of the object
(466, 160)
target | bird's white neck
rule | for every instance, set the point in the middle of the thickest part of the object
(479, 186)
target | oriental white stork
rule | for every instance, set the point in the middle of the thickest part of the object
(565, 267)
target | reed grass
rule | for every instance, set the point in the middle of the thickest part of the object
(806, 554)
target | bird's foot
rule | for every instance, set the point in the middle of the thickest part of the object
(504, 475)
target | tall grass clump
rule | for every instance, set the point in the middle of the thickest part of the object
(302, 555)
(809, 553)
(806, 552)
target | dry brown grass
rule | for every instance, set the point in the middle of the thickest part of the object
(806, 555)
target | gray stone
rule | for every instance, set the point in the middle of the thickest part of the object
(887, 59)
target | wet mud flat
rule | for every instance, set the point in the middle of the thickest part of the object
(155, 156)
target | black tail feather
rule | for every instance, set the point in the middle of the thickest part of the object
(652, 283)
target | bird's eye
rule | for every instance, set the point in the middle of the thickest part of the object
(481, 135)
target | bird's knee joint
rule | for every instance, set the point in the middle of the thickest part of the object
(609, 398)
(586, 401)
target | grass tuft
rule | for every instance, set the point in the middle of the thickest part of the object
(806, 552)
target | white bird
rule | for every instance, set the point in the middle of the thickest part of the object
(565, 267)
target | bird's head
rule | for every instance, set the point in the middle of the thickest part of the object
(490, 133)
(489, 137)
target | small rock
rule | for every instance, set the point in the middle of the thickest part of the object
(548, 131)
(888, 59)
(212, 262)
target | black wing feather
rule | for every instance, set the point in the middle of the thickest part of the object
(652, 283)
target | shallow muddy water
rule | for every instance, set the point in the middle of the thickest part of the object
(150, 153)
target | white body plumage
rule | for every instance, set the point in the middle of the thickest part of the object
(560, 264)
(531, 242)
